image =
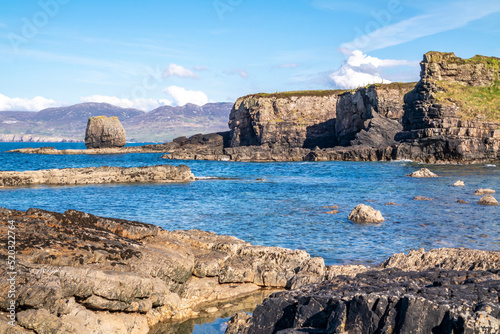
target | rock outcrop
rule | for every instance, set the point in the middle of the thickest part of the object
(97, 175)
(443, 120)
(365, 214)
(423, 172)
(79, 273)
(441, 291)
(481, 192)
(488, 200)
(104, 132)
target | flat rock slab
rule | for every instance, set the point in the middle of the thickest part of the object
(97, 175)
(79, 273)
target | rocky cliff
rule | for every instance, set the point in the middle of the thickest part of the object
(453, 114)
(322, 119)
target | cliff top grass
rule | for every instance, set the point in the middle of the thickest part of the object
(473, 102)
(406, 86)
(450, 57)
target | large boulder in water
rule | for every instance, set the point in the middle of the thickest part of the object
(365, 214)
(104, 132)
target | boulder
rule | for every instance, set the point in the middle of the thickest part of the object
(481, 192)
(365, 214)
(104, 132)
(424, 172)
(459, 183)
(488, 200)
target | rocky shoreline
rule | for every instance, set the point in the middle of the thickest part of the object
(96, 175)
(79, 273)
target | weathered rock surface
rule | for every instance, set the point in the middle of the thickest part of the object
(441, 291)
(488, 200)
(424, 172)
(365, 214)
(84, 273)
(104, 132)
(97, 175)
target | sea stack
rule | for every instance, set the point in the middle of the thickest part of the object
(104, 132)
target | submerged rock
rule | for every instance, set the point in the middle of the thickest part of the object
(424, 172)
(422, 198)
(97, 175)
(488, 200)
(365, 214)
(104, 132)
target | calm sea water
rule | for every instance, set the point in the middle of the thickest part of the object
(286, 209)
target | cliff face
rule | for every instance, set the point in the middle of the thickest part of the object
(453, 114)
(280, 120)
(320, 118)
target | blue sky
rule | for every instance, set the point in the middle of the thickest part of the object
(145, 54)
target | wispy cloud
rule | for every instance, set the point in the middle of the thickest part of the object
(200, 68)
(179, 71)
(237, 71)
(439, 19)
(24, 104)
(141, 104)
(289, 65)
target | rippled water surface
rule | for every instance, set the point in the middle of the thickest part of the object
(286, 208)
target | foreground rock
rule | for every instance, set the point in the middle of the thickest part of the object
(488, 200)
(97, 175)
(78, 273)
(424, 172)
(365, 214)
(104, 132)
(442, 291)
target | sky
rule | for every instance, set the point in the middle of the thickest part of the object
(145, 54)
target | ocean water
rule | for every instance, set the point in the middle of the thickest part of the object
(286, 209)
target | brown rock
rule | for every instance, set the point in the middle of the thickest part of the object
(422, 198)
(488, 200)
(365, 214)
(104, 132)
(462, 201)
(424, 172)
(481, 192)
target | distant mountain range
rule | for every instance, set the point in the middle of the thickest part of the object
(69, 123)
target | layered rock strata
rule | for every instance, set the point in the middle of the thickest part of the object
(79, 273)
(97, 175)
(442, 291)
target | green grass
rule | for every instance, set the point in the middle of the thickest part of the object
(449, 57)
(405, 86)
(473, 101)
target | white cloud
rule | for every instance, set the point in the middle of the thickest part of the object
(439, 18)
(175, 70)
(183, 96)
(361, 70)
(141, 104)
(22, 104)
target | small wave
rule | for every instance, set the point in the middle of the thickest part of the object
(490, 165)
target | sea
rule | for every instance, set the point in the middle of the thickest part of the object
(282, 204)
